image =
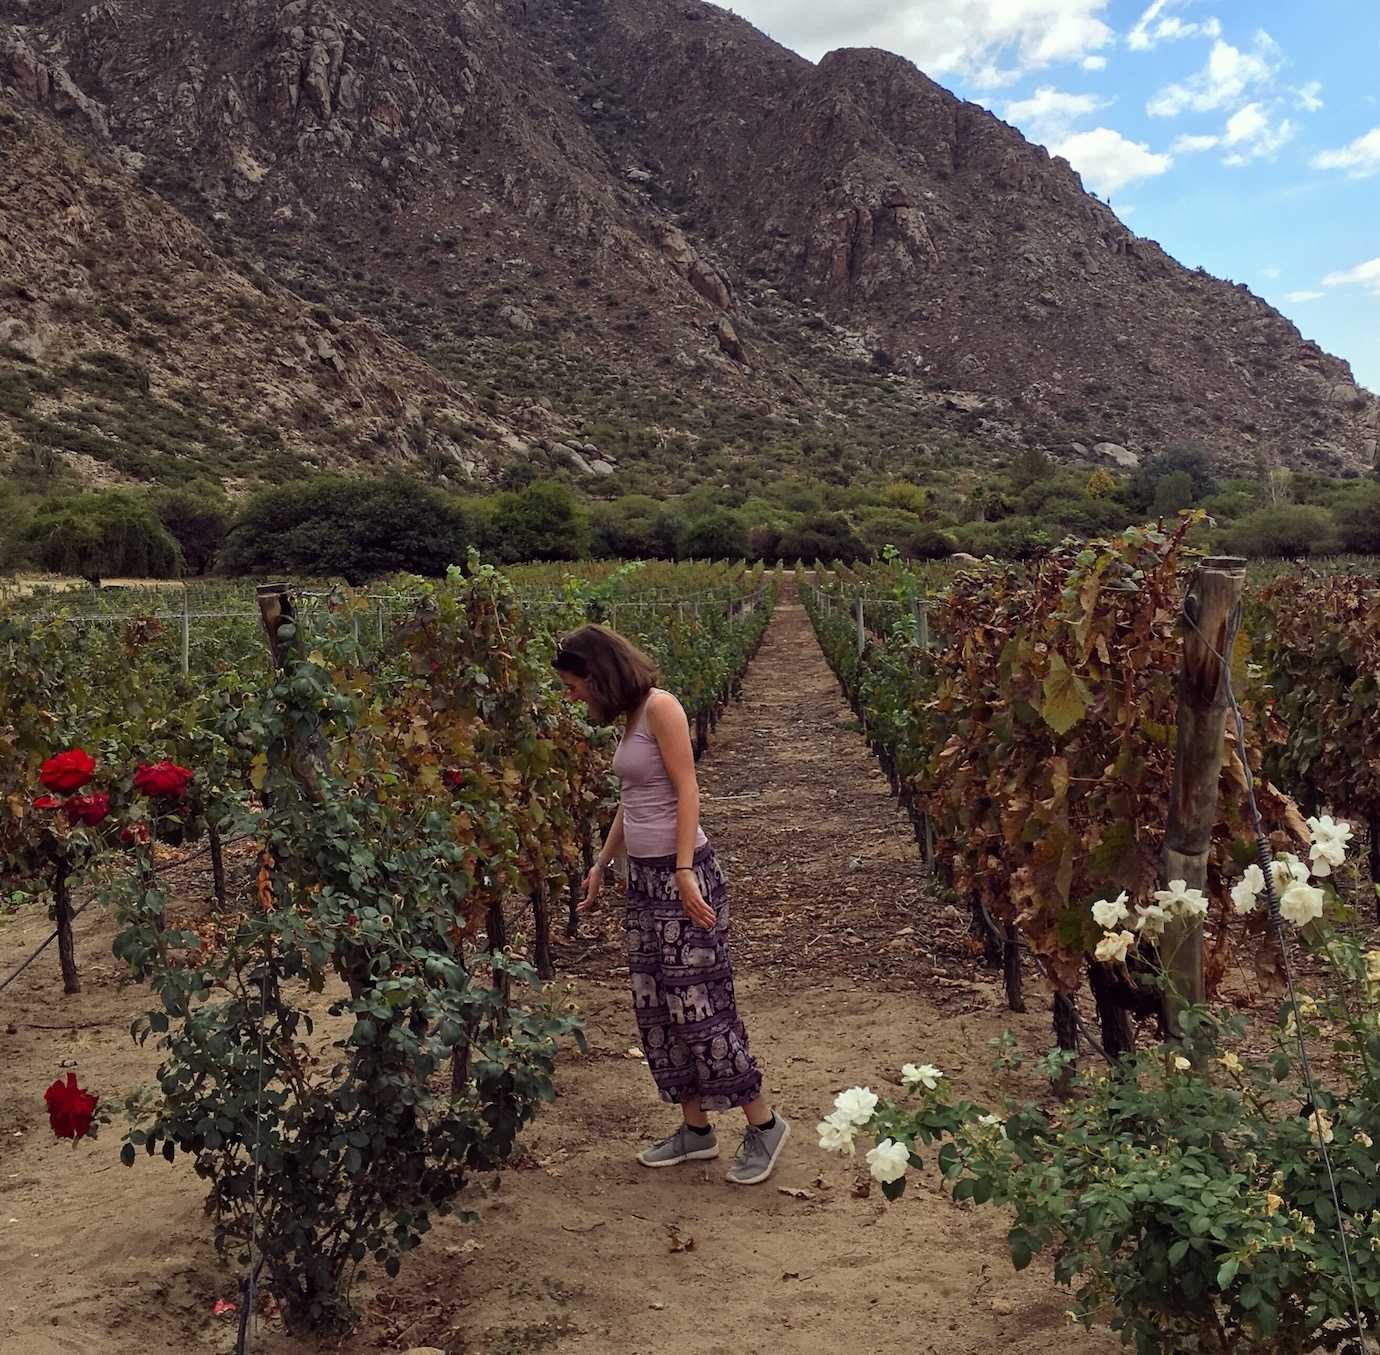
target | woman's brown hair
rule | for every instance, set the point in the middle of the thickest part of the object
(619, 675)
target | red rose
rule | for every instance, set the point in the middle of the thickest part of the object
(68, 771)
(47, 802)
(165, 779)
(135, 833)
(454, 777)
(87, 809)
(69, 1108)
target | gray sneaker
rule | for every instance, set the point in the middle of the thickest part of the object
(758, 1153)
(682, 1146)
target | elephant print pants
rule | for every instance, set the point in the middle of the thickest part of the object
(682, 984)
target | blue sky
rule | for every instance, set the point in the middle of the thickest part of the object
(1243, 135)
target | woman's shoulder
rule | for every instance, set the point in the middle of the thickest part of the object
(662, 705)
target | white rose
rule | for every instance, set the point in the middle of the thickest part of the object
(1364, 1139)
(926, 1075)
(836, 1134)
(1301, 904)
(1373, 966)
(1324, 855)
(1108, 912)
(1150, 919)
(1115, 946)
(856, 1105)
(1248, 890)
(1181, 1063)
(1286, 869)
(990, 1120)
(1181, 900)
(1328, 829)
(888, 1160)
(1321, 1126)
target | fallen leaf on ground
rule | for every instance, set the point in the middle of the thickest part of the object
(680, 1241)
(795, 1193)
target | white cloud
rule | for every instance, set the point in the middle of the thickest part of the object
(1049, 114)
(1302, 296)
(1094, 63)
(995, 77)
(1246, 124)
(964, 37)
(1263, 143)
(1228, 75)
(1191, 145)
(1364, 274)
(1360, 158)
(1249, 130)
(1151, 29)
(1271, 273)
(1109, 161)
(1306, 97)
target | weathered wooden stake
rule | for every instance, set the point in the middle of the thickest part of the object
(541, 945)
(276, 609)
(186, 632)
(922, 623)
(62, 915)
(213, 842)
(1375, 857)
(1210, 612)
(858, 620)
(1011, 965)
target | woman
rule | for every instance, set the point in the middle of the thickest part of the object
(677, 912)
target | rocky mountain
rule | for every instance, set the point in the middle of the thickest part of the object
(641, 227)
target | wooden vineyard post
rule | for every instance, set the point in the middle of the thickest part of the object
(215, 846)
(276, 610)
(921, 609)
(1011, 968)
(1210, 612)
(858, 621)
(62, 913)
(1374, 824)
(186, 632)
(541, 944)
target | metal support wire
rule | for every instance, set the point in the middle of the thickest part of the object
(1265, 857)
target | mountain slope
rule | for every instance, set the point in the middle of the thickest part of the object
(689, 242)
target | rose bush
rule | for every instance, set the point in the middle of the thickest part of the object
(371, 880)
(1184, 1195)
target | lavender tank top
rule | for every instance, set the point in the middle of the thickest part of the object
(649, 797)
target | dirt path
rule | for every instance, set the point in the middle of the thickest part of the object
(846, 969)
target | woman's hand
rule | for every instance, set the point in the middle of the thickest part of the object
(692, 900)
(594, 882)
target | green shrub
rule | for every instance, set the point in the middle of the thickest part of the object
(1358, 519)
(1287, 530)
(101, 534)
(716, 535)
(356, 529)
(822, 537)
(545, 521)
(197, 517)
